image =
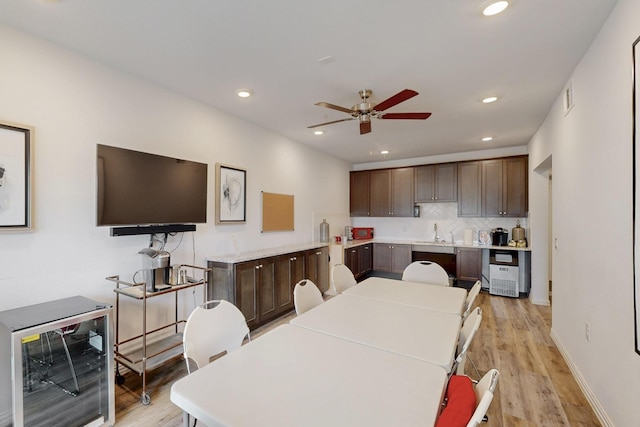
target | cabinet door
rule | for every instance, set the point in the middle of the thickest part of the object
(351, 260)
(267, 306)
(381, 193)
(247, 290)
(468, 266)
(317, 267)
(425, 183)
(492, 180)
(382, 256)
(289, 271)
(401, 257)
(469, 189)
(359, 189)
(515, 185)
(365, 259)
(446, 182)
(402, 181)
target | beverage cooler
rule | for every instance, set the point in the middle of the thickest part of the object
(506, 272)
(56, 364)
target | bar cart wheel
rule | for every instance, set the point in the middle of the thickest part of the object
(146, 399)
(119, 379)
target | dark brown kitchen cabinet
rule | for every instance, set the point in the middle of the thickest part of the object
(504, 187)
(359, 259)
(392, 192)
(436, 183)
(469, 189)
(255, 292)
(318, 267)
(359, 191)
(391, 257)
(290, 269)
(468, 266)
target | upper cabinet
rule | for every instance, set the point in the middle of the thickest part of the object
(436, 183)
(504, 187)
(392, 192)
(482, 188)
(469, 189)
(360, 189)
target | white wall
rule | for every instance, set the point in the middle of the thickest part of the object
(591, 148)
(75, 103)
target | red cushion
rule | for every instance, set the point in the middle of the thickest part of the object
(461, 403)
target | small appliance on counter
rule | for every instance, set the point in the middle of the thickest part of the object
(156, 266)
(348, 232)
(362, 233)
(499, 237)
(518, 238)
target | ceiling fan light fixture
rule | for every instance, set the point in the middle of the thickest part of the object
(487, 139)
(495, 8)
(490, 99)
(244, 93)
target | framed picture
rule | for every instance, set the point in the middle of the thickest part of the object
(636, 187)
(16, 176)
(231, 194)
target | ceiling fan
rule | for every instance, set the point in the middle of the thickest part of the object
(365, 111)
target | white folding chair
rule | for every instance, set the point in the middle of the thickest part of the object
(469, 328)
(425, 272)
(471, 298)
(484, 391)
(341, 278)
(306, 295)
(212, 331)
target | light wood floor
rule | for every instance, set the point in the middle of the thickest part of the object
(535, 387)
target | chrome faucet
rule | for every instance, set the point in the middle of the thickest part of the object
(435, 228)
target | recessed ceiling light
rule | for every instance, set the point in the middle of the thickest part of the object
(490, 99)
(384, 152)
(244, 93)
(495, 8)
(318, 132)
(487, 138)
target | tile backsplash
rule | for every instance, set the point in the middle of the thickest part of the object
(443, 214)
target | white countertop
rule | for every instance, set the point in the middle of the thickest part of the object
(263, 253)
(352, 243)
(267, 252)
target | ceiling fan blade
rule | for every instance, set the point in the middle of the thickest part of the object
(330, 123)
(365, 127)
(409, 116)
(395, 99)
(334, 107)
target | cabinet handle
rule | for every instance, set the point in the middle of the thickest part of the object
(293, 259)
(318, 253)
(258, 267)
(353, 251)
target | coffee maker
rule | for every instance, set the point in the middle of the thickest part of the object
(156, 266)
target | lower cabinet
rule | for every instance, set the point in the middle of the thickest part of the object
(263, 288)
(255, 290)
(359, 259)
(317, 267)
(289, 271)
(391, 257)
(468, 266)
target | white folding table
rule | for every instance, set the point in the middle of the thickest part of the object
(283, 378)
(432, 297)
(427, 335)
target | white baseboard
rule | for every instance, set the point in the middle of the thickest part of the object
(593, 401)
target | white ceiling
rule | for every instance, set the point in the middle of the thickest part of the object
(446, 50)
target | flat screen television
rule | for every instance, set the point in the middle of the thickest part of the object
(136, 188)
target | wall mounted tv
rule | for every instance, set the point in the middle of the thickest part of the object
(149, 193)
